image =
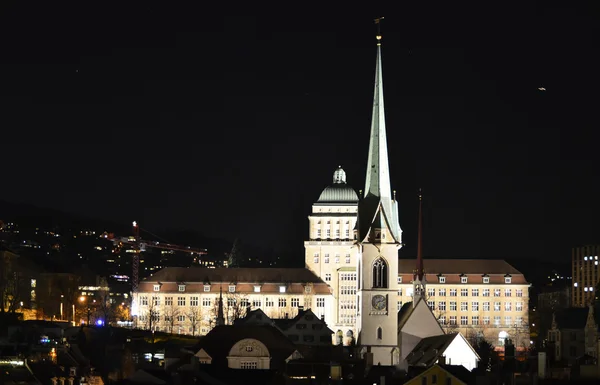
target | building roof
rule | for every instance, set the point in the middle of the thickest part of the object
(238, 275)
(338, 193)
(459, 266)
(572, 318)
(429, 349)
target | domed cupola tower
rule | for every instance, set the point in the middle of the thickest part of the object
(330, 253)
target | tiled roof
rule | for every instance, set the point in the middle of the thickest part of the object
(459, 266)
(237, 275)
(429, 349)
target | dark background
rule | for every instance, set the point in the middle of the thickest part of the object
(231, 121)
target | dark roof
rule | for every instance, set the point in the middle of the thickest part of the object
(198, 274)
(404, 313)
(572, 318)
(429, 349)
(459, 372)
(459, 266)
(219, 341)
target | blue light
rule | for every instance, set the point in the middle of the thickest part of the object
(99, 322)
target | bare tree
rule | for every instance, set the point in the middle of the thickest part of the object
(11, 280)
(172, 312)
(151, 313)
(237, 305)
(104, 308)
(194, 316)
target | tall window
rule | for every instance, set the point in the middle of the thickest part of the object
(380, 274)
(379, 333)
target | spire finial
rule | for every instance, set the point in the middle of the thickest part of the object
(420, 271)
(378, 24)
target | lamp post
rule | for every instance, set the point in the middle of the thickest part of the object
(61, 307)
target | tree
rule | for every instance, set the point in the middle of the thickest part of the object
(194, 316)
(235, 257)
(237, 305)
(151, 315)
(11, 282)
(171, 313)
(105, 309)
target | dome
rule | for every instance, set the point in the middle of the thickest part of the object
(339, 191)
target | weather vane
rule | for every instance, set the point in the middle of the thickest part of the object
(378, 24)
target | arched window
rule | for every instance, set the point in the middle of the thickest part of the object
(380, 273)
(379, 333)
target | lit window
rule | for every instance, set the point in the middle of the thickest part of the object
(507, 279)
(33, 283)
(442, 279)
(463, 279)
(307, 289)
(232, 288)
(380, 274)
(337, 259)
(316, 259)
(156, 287)
(585, 289)
(327, 277)
(181, 287)
(585, 258)
(399, 279)
(257, 289)
(206, 288)
(347, 258)
(575, 284)
(326, 259)
(282, 289)
(486, 279)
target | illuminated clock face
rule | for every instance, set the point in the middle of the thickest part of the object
(379, 302)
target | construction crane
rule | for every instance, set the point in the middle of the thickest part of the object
(138, 245)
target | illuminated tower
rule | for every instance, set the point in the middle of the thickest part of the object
(378, 238)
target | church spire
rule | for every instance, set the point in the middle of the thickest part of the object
(220, 317)
(378, 173)
(379, 209)
(419, 279)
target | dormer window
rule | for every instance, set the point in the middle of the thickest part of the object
(308, 289)
(156, 287)
(232, 288)
(181, 287)
(206, 288)
(257, 289)
(282, 289)
(463, 279)
(443, 279)
(507, 279)
(486, 279)
(399, 279)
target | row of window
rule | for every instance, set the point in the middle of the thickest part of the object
(244, 302)
(232, 288)
(337, 233)
(465, 279)
(431, 292)
(326, 258)
(464, 306)
(485, 320)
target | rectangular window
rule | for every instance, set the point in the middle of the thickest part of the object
(464, 320)
(442, 320)
(282, 289)
(180, 318)
(400, 292)
(507, 306)
(452, 292)
(486, 320)
(232, 288)
(256, 288)
(463, 279)
(452, 305)
(442, 292)
(519, 306)
(347, 233)
(474, 306)
(206, 288)
(337, 259)
(475, 292)
(269, 302)
(320, 302)
(507, 279)
(316, 259)
(318, 233)
(180, 301)
(497, 292)
(431, 305)
(193, 301)
(156, 287)
(328, 233)
(248, 365)
(486, 292)
(464, 292)
(326, 259)
(295, 302)
(308, 289)
(337, 233)
(442, 279)
(282, 302)
(507, 292)
(519, 292)
(256, 303)
(33, 283)
(475, 320)
(486, 306)
(486, 279)
(496, 306)
(327, 277)
(399, 279)
(205, 302)
(464, 306)
(519, 321)
(442, 306)
(347, 258)
(431, 292)
(181, 287)
(144, 301)
(156, 301)
(453, 320)
(508, 320)
(496, 320)
(168, 301)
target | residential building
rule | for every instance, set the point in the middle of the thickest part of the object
(450, 349)
(574, 333)
(442, 375)
(586, 274)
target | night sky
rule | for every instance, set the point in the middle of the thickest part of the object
(231, 121)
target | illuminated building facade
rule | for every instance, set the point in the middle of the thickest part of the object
(586, 269)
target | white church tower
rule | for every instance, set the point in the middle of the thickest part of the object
(378, 238)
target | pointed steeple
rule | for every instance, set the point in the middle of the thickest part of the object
(220, 317)
(379, 209)
(419, 278)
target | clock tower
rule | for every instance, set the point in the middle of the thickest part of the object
(378, 238)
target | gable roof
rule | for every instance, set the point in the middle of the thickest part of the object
(458, 371)
(429, 349)
(459, 266)
(572, 318)
(286, 323)
(228, 275)
(407, 309)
